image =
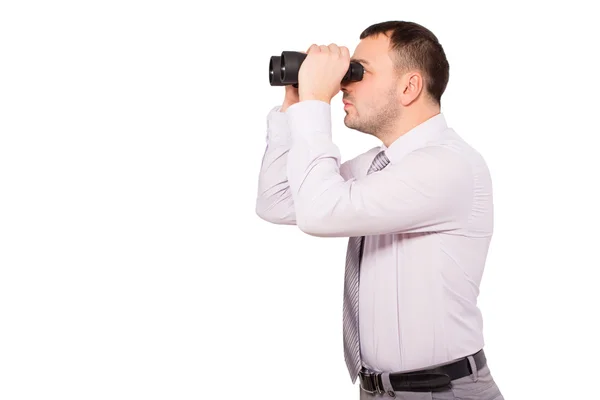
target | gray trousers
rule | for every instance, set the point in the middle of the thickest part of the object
(480, 385)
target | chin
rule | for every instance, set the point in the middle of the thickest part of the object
(349, 122)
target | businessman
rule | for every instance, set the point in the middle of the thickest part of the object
(417, 211)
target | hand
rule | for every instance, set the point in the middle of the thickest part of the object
(321, 72)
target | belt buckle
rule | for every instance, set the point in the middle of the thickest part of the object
(371, 381)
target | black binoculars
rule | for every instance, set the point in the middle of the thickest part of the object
(283, 70)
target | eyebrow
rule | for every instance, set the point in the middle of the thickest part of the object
(360, 60)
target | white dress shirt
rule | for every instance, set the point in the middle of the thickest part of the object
(427, 219)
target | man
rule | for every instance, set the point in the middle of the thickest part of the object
(418, 211)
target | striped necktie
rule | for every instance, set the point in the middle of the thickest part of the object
(350, 315)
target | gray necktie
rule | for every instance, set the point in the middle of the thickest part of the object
(350, 316)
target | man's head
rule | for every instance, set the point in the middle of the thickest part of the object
(406, 73)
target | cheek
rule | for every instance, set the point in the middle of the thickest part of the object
(369, 93)
(370, 88)
(369, 96)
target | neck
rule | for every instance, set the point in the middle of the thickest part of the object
(406, 122)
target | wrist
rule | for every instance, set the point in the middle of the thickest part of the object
(315, 97)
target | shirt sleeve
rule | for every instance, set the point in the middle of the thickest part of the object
(429, 189)
(274, 201)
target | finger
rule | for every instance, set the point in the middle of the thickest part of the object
(324, 49)
(313, 47)
(333, 48)
(345, 53)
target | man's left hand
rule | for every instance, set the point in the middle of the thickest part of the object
(321, 72)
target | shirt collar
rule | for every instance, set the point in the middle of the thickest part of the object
(415, 138)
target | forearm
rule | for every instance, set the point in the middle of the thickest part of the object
(274, 201)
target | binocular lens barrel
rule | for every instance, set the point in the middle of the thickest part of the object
(283, 70)
(275, 77)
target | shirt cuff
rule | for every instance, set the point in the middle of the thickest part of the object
(310, 119)
(278, 129)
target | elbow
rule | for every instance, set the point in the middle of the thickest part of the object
(315, 226)
(275, 215)
(327, 224)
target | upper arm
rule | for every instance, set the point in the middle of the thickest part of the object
(428, 190)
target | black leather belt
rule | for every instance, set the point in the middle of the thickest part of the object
(425, 380)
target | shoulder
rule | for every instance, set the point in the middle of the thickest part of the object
(452, 151)
(448, 163)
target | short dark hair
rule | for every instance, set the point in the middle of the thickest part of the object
(416, 47)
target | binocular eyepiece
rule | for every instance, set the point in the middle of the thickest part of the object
(283, 70)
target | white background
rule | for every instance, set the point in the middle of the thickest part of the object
(133, 265)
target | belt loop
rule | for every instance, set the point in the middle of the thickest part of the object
(474, 371)
(387, 385)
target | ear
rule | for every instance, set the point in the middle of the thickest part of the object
(411, 86)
